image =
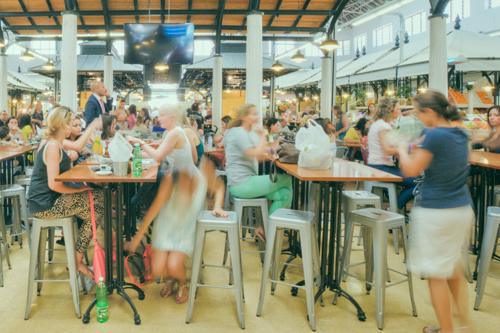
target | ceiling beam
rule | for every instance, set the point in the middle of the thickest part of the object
(82, 21)
(49, 6)
(190, 7)
(200, 27)
(337, 10)
(105, 9)
(70, 5)
(21, 38)
(278, 5)
(304, 7)
(438, 6)
(136, 8)
(315, 12)
(23, 7)
(218, 29)
(162, 6)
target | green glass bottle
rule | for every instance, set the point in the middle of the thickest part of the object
(102, 306)
(137, 161)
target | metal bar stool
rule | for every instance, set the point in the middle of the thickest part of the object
(229, 225)
(5, 242)
(379, 222)
(353, 200)
(490, 238)
(244, 209)
(393, 204)
(37, 259)
(16, 193)
(303, 223)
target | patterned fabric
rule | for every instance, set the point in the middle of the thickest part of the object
(77, 204)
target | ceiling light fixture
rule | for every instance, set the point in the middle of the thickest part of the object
(298, 57)
(329, 45)
(277, 67)
(27, 56)
(161, 67)
(49, 66)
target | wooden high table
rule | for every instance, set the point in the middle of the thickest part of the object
(329, 204)
(483, 192)
(7, 154)
(84, 173)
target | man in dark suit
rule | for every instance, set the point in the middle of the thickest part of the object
(95, 105)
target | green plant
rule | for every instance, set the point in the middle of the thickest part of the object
(359, 95)
(404, 92)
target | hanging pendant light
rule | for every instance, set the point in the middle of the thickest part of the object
(27, 56)
(298, 57)
(329, 45)
(161, 67)
(277, 67)
(49, 66)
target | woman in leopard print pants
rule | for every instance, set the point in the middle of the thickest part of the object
(49, 199)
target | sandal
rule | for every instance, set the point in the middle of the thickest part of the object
(182, 294)
(431, 329)
(168, 288)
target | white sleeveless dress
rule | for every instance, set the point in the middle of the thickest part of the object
(175, 226)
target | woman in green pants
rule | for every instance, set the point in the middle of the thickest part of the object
(245, 146)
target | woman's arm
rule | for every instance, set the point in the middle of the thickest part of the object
(52, 158)
(345, 126)
(260, 151)
(80, 143)
(412, 165)
(162, 196)
(165, 148)
(194, 141)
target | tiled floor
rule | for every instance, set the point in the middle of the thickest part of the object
(215, 309)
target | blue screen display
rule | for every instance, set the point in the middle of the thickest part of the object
(159, 43)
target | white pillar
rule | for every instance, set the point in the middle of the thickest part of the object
(217, 91)
(3, 83)
(334, 80)
(69, 61)
(326, 87)
(438, 59)
(108, 73)
(254, 61)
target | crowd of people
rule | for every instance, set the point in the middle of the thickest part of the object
(425, 146)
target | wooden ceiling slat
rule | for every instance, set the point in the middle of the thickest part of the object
(18, 21)
(10, 6)
(93, 20)
(237, 4)
(89, 4)
(43, 20)
(233, 20)
(321, 4)
(34, 6)
(58, 5)
(122, 19)
(120, 4)
(268, 4)
(292, 4)
(203, 19)
(205, 4)
(149, 4)
(284, 20)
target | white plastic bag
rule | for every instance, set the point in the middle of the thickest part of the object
(314, 146)
(119, 149)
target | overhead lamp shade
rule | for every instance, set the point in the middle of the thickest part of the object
(298, 57)
(329, 45)
(277, 67)
(161, 67)
(26, 56)
(49, 66)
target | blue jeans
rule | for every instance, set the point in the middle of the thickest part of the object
(408, 183)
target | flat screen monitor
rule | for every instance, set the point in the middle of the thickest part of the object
(171, 44)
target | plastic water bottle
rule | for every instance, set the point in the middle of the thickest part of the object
(210, 142)
(137, 161)
(101, 295)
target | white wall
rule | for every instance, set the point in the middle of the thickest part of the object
(481, 19)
